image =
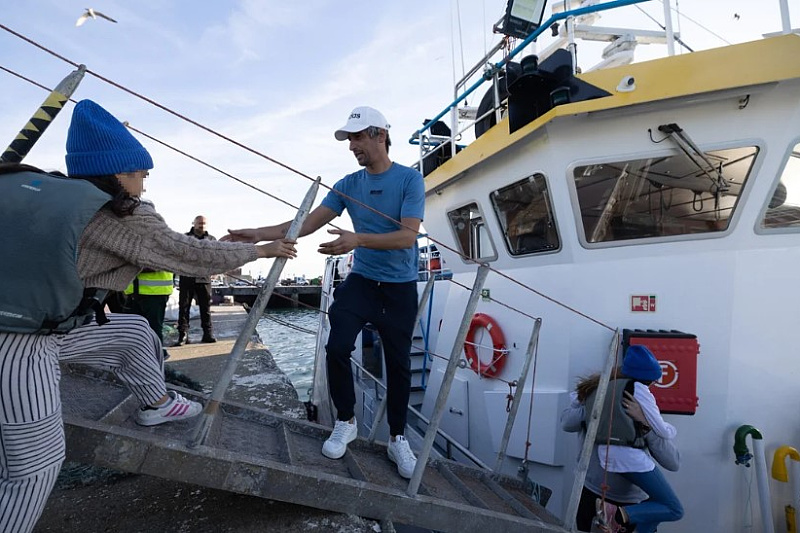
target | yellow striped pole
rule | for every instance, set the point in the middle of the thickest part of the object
(42, 118)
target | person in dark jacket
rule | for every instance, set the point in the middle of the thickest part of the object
(197, 289)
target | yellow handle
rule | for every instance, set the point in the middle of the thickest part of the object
(779, 462)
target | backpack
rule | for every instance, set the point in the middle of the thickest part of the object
(42, 217)
(625, 431)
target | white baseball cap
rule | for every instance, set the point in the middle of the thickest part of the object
(360, 119)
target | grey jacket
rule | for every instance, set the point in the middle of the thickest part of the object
(663, 451)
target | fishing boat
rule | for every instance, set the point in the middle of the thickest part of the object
(653, 203)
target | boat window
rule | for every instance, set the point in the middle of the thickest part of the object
(525, 213)
(471, 233)
(783, 210)
(661, 196)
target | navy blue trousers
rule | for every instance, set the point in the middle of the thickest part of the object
(391, 308)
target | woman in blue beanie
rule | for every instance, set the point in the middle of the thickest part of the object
(629, 458)
(122, 236)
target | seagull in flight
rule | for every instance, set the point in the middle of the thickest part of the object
(92, 13)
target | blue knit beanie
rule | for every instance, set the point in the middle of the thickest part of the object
(640, 363)
(98, 144)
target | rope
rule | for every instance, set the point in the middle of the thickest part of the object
(289, 325)
(306, 176)
(721, 38)
(279, 163)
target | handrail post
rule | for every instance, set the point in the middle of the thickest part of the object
(426, 293)
(320, 394)
(206, 420)
(591, 433)
(42, 118)
(512, 415)
(444, 390)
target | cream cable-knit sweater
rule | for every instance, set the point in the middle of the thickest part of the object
(113, 250)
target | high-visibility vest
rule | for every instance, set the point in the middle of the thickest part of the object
(157, 283)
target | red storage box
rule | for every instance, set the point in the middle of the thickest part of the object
(676, 391)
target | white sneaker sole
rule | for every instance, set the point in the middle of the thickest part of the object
(158, 420)
(393, 460)
(331, 455)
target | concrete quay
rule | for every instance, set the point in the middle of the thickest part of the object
(91, 499)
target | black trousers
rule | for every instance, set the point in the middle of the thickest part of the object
(391, 309)
(199, 292)
(152, 307)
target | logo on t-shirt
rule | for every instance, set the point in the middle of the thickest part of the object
(376, 191)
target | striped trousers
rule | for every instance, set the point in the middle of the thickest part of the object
(31, 428)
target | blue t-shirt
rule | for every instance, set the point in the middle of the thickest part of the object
(398, 193)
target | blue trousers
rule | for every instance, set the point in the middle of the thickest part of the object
(391, 308)
(662, 504)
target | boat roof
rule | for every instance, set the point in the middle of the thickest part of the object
(743, 65)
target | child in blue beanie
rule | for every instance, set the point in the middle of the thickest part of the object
(632, 463)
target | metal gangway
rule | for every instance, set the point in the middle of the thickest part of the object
(249, 450)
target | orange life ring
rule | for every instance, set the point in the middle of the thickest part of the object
(493, 368)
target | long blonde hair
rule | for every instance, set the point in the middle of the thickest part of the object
(587, 385)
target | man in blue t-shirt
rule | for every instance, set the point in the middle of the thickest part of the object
(386, 203)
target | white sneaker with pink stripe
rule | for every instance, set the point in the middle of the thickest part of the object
(176, 408)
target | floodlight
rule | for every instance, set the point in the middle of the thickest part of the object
(522, 17)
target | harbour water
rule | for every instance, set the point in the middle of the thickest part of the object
(290, 335)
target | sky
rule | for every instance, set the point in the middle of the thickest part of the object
(279, 78)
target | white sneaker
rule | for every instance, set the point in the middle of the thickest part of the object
(343, 434)
(400, 453)
(176, 408)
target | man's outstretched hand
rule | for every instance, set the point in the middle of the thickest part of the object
(346, 242)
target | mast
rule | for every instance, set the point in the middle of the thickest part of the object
(786, 22)
(668, 27)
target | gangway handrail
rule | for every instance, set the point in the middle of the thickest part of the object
(44, 116)
(533, 345)
(211, 409)
(447, 381)
(451, 440)
(593, 422)
(502, 63)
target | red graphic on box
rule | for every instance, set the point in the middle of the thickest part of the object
(643, 303)
(669, 375)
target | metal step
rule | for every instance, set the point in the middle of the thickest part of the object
(252, 451)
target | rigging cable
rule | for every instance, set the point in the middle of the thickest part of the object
(678, 39)
(291, 169)
(460, 37)
(721, 38)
